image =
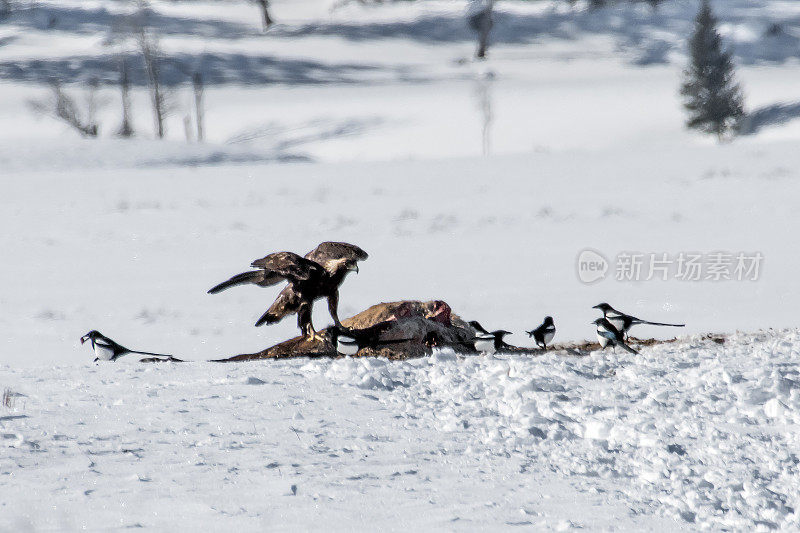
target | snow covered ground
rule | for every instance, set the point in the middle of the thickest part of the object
(475, 183)
(691, 434)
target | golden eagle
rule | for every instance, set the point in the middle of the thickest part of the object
(317, 275)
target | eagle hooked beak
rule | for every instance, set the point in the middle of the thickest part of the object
(84, 338)
(353, 267)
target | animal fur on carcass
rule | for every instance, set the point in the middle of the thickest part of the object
(426, 325)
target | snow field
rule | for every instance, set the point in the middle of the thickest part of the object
(258, 447)
(132, 252)
(579, 114)
(692, 433)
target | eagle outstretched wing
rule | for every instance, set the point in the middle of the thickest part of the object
(288, 265)
(273, 269)
(314, 276)
(328, 251)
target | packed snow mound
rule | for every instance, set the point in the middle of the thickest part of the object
(700, 431)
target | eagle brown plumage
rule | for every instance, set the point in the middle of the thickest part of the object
(317, 275)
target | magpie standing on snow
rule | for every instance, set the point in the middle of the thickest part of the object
(544, 333)
(623, 322)
(483, 343)
(477, 327)
(608, 335)
(348, 342)
(489, 341)
(107, 350)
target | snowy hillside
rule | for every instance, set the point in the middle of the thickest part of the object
(132, 252)
(377, 82)
(478, 183)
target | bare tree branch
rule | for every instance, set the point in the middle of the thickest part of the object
(151, 54)
(266, 18)
(197, 82)
(480, 20)
(62, 107)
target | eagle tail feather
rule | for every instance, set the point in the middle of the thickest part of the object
(268, 318)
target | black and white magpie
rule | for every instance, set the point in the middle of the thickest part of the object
(544, 333)
(348, 342)
(608, 335)
(623, 322)
(489, 341)
(477, 327)
(484, 343)
(107, 350)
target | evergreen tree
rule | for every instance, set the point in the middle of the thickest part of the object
(712, 96)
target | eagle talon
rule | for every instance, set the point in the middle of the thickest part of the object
(312, 335)
(316, 337)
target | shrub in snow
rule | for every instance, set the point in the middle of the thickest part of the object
(712, 96)
(151, 54)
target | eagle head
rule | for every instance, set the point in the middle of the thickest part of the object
(341, 265)
(352, 265)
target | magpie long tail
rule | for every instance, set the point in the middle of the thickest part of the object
(627, 348)
(150, 353)
(659, 324)
(254, 276)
